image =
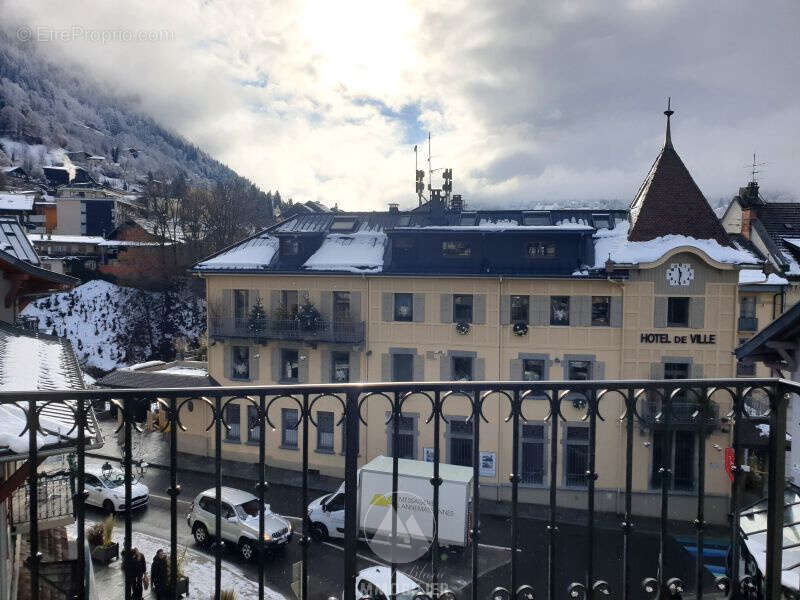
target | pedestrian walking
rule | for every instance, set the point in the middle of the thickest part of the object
(159, 575)
(134, 567)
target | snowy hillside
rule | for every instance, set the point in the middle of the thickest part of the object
(111, 326)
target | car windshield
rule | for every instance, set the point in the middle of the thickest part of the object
(114, 480)
(248, 509)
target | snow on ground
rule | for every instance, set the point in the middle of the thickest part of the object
(359, 252)
(110, 326)
(198, 567)
(614, 244)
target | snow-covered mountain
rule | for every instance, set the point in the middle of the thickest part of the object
(110, 326)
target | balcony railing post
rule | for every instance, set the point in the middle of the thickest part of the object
(516, 407)
(218, 423)
(666, 478)
(436, 482)
(173, 491)
(305, 417)
(776, 490)
(350, 485)
(33, 495)
(700, 523)
(591, 478)
(261, 487)
(127, 415)
(78, 498)
(476, 487)
(552, 526)
(627, 523)
(396, 415)
(733, 517)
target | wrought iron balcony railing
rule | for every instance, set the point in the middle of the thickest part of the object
(616, 403)
(748, 323)
(326, 330)
(54, 497)
(684, 413)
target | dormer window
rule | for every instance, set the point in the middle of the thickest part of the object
(602, 221)
(290, 247)
(536, 218)
(343, 225)
(468, 219)
(404, 221)
(541, 250)
(403, 247)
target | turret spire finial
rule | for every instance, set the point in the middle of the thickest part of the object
(669, 112)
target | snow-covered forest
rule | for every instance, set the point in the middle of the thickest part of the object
(111, 326)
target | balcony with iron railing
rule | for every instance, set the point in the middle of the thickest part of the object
(324, 330)
(579, 554)
(54, 504)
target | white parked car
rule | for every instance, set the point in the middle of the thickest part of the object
(108, 490)
(239, 514)
(376, 582)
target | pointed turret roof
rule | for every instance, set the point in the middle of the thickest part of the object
(669, 202)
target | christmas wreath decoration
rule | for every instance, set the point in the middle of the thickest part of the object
(520, 328)
(463, 327)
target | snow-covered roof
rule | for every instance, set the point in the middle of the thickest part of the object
(20, 202)
(255, 253)
(39, 238)
(614, 244)
(37, 362)
(756, 277)
(504, 226)
(358, 252)
(13, 241)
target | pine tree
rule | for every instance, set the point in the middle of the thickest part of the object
(257, 321)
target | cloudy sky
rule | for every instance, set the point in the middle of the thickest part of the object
(528, 103)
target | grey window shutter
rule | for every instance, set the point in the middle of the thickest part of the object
(540, 310)
(419, 308)
(479, 310)
(656, 371)
(419, 367)
(444, 368)
(516, 369)
(580, 311)
(446, 309)
(505, 310)
(660, 312)
(227, 302)
(387, 306)
(276, 365)
(386, 367)
(355, 306)
(326, 374)
(599, 370)
(697, 312)
(479, 369)
(302, 370)
(355, 367)
(326, 305)
(228, 351)
(252, 298)
(616, 311)
(255, 359)
(697, 371)
(274, 300)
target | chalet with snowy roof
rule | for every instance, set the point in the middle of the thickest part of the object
(442, 292)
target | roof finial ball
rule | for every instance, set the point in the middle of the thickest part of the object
(669, 112)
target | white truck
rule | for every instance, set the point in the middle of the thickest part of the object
(414, 503)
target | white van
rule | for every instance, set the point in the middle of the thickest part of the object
(415, 497)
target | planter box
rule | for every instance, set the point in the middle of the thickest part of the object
(105, 554)
(182, 586)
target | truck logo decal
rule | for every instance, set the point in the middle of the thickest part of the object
(384, 500)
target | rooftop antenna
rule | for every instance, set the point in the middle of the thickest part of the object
(420, 176)
(754, 168)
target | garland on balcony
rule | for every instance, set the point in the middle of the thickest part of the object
(520, 328)
(463, 327)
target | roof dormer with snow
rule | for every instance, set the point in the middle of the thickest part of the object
(669, 202)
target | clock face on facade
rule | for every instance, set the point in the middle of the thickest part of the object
(680, 274)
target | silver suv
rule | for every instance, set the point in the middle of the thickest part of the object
(239, 514)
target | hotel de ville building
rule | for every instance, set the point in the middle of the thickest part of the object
(444, 293)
